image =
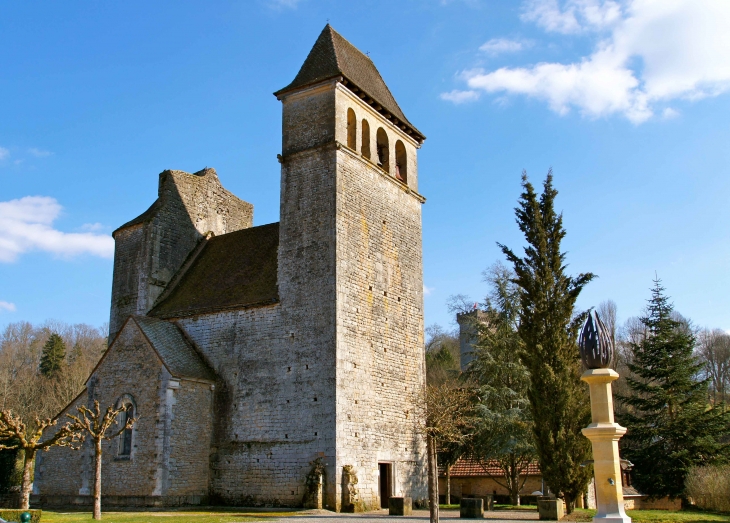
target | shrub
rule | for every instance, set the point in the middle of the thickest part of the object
(14, 515)
(709, 487)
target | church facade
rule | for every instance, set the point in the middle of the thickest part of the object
(280, 364)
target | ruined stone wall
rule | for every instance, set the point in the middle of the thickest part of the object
(380, 360)
(150, 251)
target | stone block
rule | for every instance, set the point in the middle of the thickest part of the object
(472, 508)
(551, 509)
(400, 506)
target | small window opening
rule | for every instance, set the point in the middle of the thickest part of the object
(125, 438)
(351, 129)
(383, 149)
(365, 148)
(401, 162)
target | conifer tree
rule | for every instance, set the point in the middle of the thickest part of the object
(670, 426)
(548, 329)
(53, 355)
(505, 432)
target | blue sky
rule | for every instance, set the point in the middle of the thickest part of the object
(626, 100)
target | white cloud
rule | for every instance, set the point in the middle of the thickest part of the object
(92, 227)
(574, 16)
(7, 306)
(427, 290)
(39, 153)
(460, 97)
(669, 113)
(4, 153)
(503, 45)
(280, 5)
(26, 224)
(656, 51)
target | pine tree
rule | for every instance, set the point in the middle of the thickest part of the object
(53, 355)
(548, 330)
(505, 432)
(670, 426)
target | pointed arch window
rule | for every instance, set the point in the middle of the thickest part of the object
(365, 139)
(124, 450)
(383, 149)
(351, 129)
(401, 162)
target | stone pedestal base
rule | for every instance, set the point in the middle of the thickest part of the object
(400, 506)
(604, 434)
(551, 509)
(471, 508)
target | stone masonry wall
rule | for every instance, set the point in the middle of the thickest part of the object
(380, 360)
(149, 253)
(170, 441)
(190, 439)
(129, 367)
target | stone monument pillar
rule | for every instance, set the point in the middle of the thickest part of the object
(597, 352)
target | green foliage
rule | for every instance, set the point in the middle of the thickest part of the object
(8, 466)
(670, 427)
(14, 515)
(548, 329)
(53, 355)
(442, 355)
(505, 431)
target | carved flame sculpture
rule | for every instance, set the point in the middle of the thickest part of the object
(596, 348)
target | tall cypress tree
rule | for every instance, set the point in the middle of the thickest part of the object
(53, 355)
(558, 400)
(670, 425)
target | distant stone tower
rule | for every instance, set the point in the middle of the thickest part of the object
(468, 326)
(351, 228)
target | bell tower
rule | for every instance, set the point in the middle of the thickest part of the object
(351, 270)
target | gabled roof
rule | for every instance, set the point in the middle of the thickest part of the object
(232, 271)
(332, 56)
(465, 468)
(174, 349)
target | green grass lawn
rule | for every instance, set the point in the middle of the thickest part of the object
(184, 516)
(657, 516)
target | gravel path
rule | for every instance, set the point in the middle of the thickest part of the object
(381, 516)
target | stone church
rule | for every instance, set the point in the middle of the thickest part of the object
(279, 364)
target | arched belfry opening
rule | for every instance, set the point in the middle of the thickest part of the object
(401, 162)
(383, 149)
(351, 130)
(365, 139)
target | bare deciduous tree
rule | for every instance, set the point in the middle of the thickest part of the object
(95, 425)
(30, 441)
(448, 419)
(714, 350)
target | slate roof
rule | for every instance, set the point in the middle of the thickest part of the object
(465, 468)
(176, 352)
(333, 56)
(232, 271)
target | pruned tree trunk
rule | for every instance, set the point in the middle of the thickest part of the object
(97, 480)
(448, 484)
(27, 483)
(433, 480)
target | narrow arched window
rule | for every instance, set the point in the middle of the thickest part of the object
(383, 149)
(365, 139)
(125, 438)
(401, 162)
(351, 129)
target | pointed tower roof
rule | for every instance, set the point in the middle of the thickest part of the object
(332, 56)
